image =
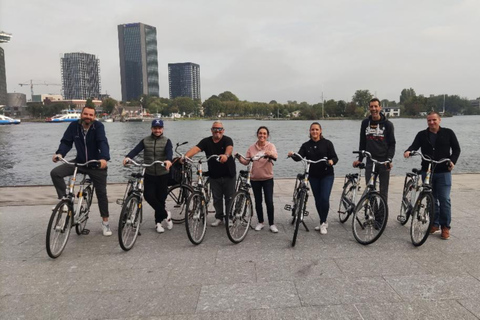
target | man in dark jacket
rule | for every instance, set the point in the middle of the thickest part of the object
(438, 143)
(156, 147)
(377, 137)
(91, 143)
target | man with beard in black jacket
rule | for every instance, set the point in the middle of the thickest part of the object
(377, 137)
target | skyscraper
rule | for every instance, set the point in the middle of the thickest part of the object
(4, 38)
(184, 80)
(80, 76)
(137, 44)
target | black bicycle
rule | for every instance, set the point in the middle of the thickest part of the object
(418, 201)
(351, 187)
(371, 212)
(131, 215)
(300, 196)
(71, 210)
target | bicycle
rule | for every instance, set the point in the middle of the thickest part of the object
(370, 215)
(418, 201)
(131, 215)
(197, 204)
(300, 196)
(179, 192)
(69, 212)
(240, 212)
(351, 186)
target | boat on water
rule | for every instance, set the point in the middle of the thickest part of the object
(8, 120)
(66, 116)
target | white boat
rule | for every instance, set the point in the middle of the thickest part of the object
(8, 120)
(66, 116)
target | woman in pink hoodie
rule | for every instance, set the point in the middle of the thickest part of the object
(262, 176)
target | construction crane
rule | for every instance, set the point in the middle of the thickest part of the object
(31, 84)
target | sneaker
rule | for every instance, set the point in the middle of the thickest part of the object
(259, 227)
(434, 229)
(445, 233)
(216, 223)
(169, 221)
(160, 228)
(106, 229)
(273, 228)
(318, 228)
(323, 228)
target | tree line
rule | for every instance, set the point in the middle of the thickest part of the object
(228, 105)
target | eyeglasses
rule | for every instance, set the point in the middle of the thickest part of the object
(220, 129)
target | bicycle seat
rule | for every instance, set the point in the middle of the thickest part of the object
(352, 175)
(204, 173)
(88, 180)
(417, 171)
(300, 176)
(137, 175)
(244, 173)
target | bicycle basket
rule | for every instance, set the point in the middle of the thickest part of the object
(175, 174)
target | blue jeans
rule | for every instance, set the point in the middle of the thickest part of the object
(441, 185)
(267, 186)
(321, 189)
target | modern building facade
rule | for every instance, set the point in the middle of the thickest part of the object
(137, 45)
(80, 76)
(184, 80)
(4, 38)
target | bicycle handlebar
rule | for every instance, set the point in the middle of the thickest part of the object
(255, 158)
(130, 161)
(369, 155)
(427, 158)
(203, 158)
(76, 163)
(324, 159)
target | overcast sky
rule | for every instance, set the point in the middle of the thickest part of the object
(260, 50)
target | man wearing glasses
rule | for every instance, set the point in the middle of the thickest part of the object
(221, 172)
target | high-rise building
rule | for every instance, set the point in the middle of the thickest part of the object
(80, 76)
(4, 38)
(184, 80)
(137, 45)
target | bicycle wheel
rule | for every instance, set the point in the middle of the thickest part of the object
(84, 210)
(346, 201)
(176, 200)
(239, 216)
(406, 205)
(129, 222)
(196, 218)
(299, 209)
(370, 218)
(59, 228)
(422, 218)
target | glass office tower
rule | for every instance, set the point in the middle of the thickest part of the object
(137, 44)
(184, 80)
(80, 76)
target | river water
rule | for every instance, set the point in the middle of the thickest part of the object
(26, 149)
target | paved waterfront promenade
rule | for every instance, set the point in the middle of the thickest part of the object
(165, 277)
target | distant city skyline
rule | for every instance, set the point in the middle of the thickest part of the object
(260, 51)
(184, 80)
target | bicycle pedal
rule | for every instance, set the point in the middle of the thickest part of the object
(288, 207)
(400, 218)
(306, 213)
(85, 231)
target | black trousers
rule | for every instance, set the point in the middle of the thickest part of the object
(267, 186)
(98, 177)
(156, 188)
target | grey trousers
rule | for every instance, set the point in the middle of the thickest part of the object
(222, 188)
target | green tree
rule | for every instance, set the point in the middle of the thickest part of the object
(362, 98)
(185, 105)
(227, 96)
(108, 105)
(406, 94)
(89, 103)
(212, 107)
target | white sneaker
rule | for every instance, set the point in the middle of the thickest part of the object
(106, 229)
(169, 221)
(216, 223)
(323, 228)
(160, 228)
(273, 228)
(318, 228)
(259, 227)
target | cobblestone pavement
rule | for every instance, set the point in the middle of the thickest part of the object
(166, 277)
